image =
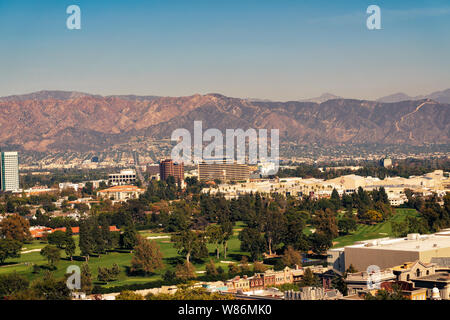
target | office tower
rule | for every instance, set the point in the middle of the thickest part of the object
(169, 168)
(9, 171)
(223, 170)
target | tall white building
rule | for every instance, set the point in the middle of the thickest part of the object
(9, 171)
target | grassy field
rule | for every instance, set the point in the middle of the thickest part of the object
(380, 230)
(24, 264)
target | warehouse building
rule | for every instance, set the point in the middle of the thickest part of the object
(388, 252)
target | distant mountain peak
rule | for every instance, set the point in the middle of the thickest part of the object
(396, 97)
(48, 94)
(323, 98)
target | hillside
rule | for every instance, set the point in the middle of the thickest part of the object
(63, 121)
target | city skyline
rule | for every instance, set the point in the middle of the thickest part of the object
(286, 50)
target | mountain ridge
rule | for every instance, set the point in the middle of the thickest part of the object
(82, 122)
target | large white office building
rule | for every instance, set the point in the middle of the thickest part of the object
(9, 171)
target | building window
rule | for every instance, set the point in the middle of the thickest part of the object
(417, 273)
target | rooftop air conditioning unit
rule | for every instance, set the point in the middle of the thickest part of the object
(413, 236)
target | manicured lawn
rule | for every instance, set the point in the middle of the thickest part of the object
(24, 264)
(380, 230)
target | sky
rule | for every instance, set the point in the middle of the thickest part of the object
(277, 49)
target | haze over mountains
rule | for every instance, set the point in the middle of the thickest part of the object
(74, 121)
(439, 96)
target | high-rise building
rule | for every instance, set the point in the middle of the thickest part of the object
(223, 170)
(9, 171)
(169, 168)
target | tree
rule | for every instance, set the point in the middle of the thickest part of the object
(147, 257)
(99, 245)
(57, 238)
(215, 236)
(129, 238)
(105, 233)
(309, 279)
(50, 288)
(86, 278)
(9, 249)
(12, 283)
(70, 246)
(52, 253)
(15, 227)
(190, 294)
(129, 295)
(294, 229)
(373, 216)
(169, 276)
(325, 223)
(103, 274)
(335, 199)
(106, 274)
(350, 269)
(400, 229)
(339, 283)
(227, 231)
(233, 269)
(88, 188)
(186, 242)
(346, 225)
(244, 265)
(319, 243)
(275, 226)
(259, 267)
(211, 269)
(253, 242)
(86, 242)
(185, 271)
(291, 257)
(395, 293)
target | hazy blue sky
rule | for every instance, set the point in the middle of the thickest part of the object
(275, 49)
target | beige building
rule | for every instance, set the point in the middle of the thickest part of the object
(121, 193)
(388, 252)
(124, 177)
(223, 171)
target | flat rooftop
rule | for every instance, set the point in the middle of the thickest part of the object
(441, 275)
(424, 243)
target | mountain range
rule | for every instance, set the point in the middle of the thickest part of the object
(439, 96)
(74, 121)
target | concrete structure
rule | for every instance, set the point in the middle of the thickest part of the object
(436, 182)
(9, 171)
(70, 185)
(388, 252)
(169, 168)
(412, 270)
(121, 193)
(223, 170)
(312, 293)
(360, 281)
(264, 280)
(124, 177)
(439, 282)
